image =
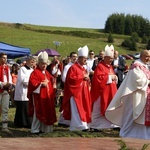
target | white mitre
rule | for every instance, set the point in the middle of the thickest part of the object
(83, 51)
(109, 51)
(43, 57)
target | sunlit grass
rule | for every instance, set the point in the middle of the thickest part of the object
(37, 40)
(58, 131)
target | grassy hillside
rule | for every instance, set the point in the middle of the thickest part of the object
(40, 37)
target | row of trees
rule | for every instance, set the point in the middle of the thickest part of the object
(127, 24)
(136, 26)
(131, 42)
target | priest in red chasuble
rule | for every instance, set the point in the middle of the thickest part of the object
(103, 89)
(41, 97)
(77, 99)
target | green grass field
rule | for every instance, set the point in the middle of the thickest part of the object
(41, 40)
(58, 131)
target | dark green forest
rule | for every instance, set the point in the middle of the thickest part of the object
(127, 24)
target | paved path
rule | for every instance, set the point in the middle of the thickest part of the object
(69, 143)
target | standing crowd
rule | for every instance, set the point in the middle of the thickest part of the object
(93, 93)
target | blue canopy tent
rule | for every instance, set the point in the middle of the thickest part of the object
(13, 51)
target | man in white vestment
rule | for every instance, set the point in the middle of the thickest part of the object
(73, 59)
(130, 107)
(22, 118)
(90, 62)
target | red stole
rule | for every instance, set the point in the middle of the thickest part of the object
(3, 69)
(147, 108)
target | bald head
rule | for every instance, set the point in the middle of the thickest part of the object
(144, 52)
(145, 56)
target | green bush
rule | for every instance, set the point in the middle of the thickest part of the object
(133, 46)
(135, 37)
(110, 38)
(126, 43)
(145, 39)
(130, 44)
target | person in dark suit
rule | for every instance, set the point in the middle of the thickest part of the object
(119, 66)
(97, 60)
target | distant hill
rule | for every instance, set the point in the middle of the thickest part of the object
(38, 37)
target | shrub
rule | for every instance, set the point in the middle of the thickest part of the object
(110, 38)
(135, 37)
(130, 43)
(145, 39)
(126, 43)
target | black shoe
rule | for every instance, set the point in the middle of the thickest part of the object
(85, 130)
(116, 129)
(63, 125)
(27, 126)
(94, 130)
(37, 133)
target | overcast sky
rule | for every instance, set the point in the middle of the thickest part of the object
(69, 13)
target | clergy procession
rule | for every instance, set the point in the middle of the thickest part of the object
(93, 93)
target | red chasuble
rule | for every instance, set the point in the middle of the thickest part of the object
(78, 88)
(44, 101)
(100, 88)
